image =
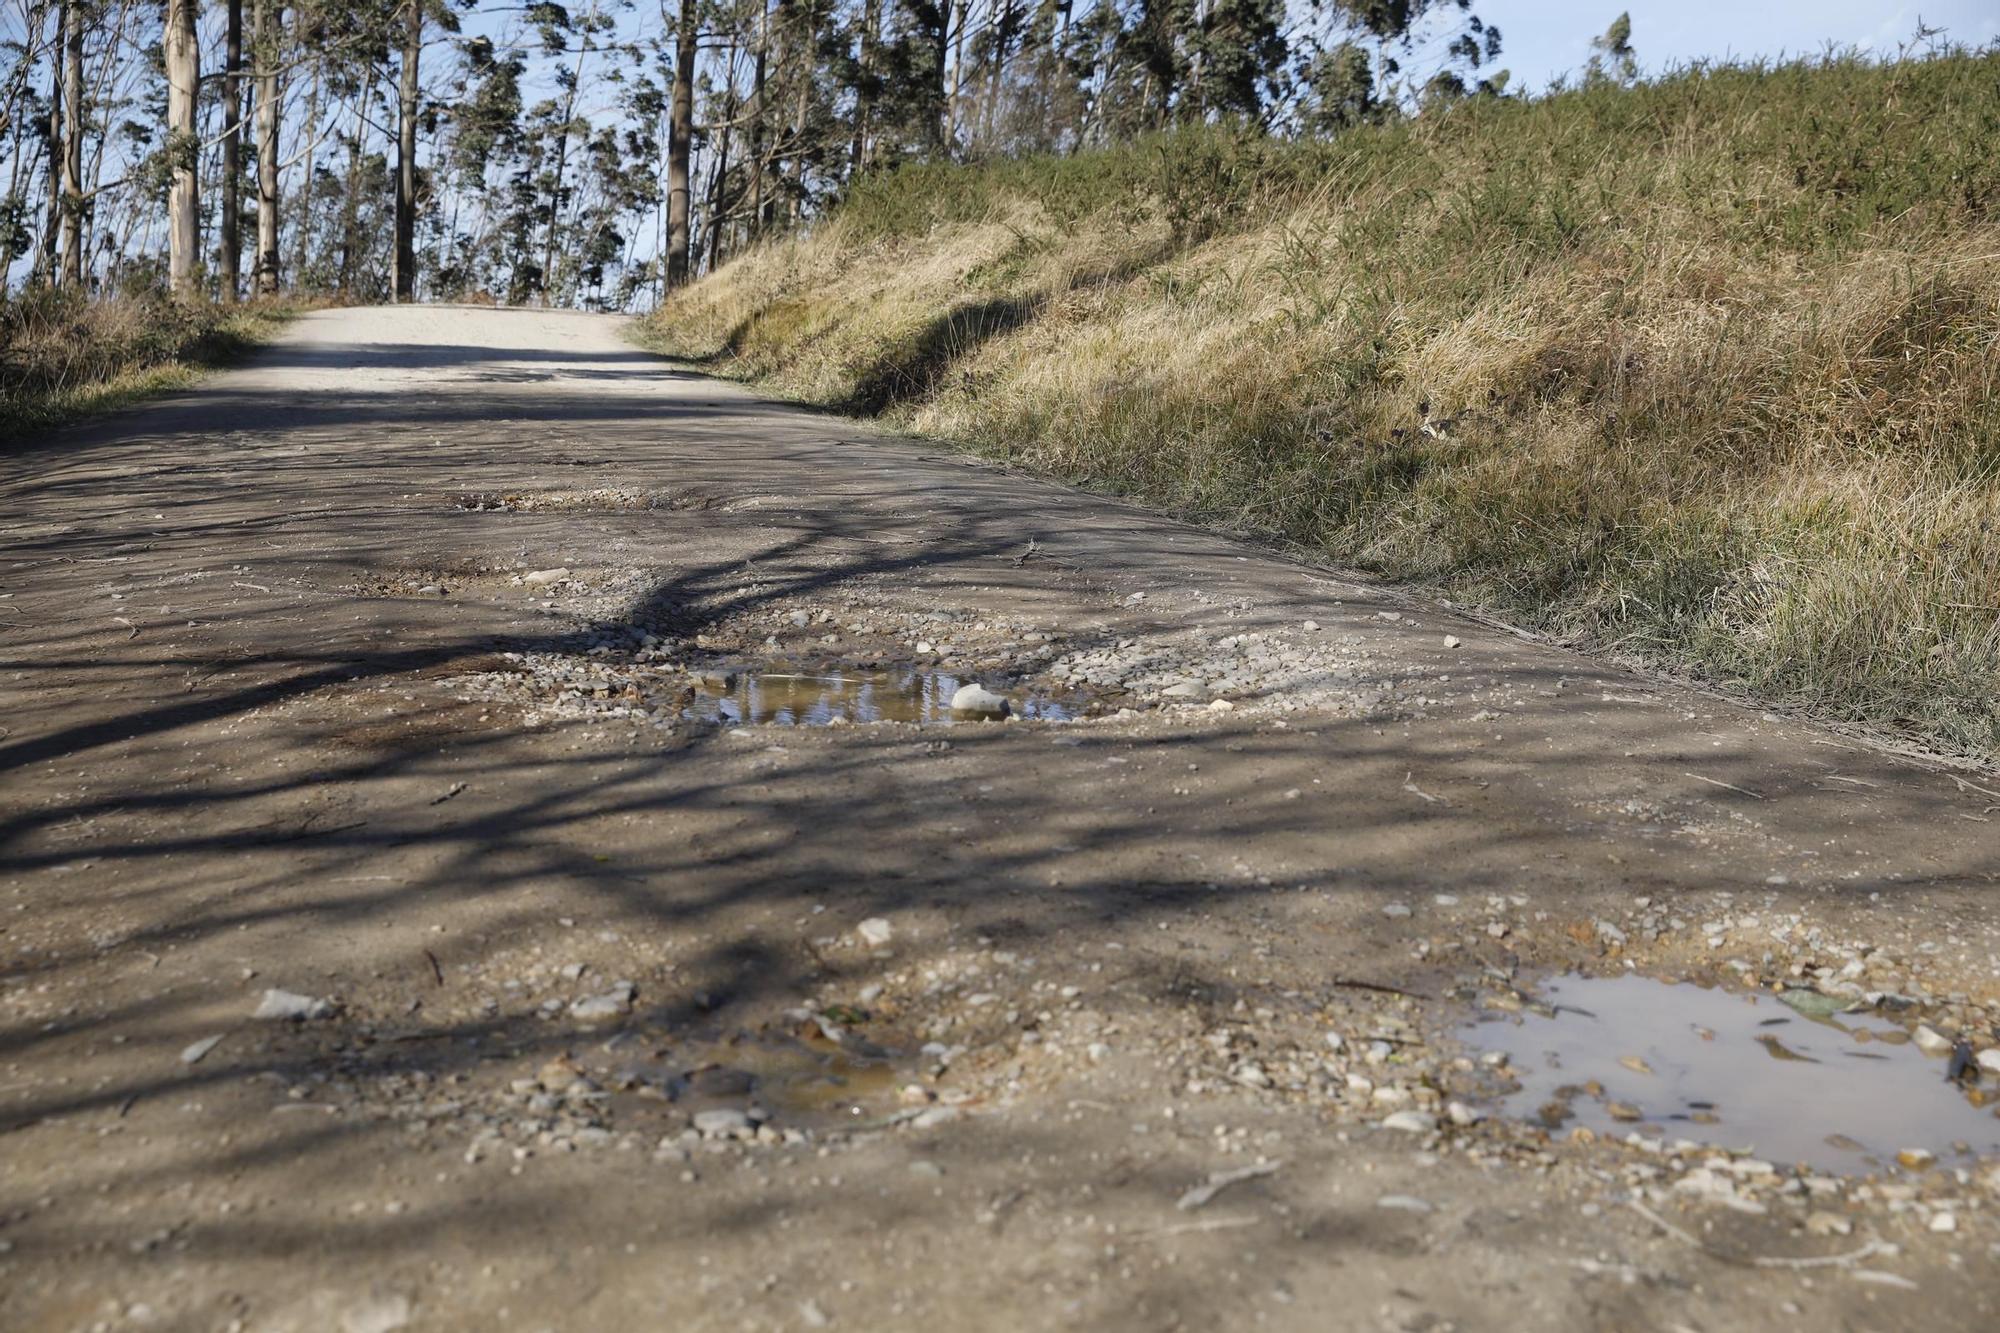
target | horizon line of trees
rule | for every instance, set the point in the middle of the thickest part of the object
(598, 153)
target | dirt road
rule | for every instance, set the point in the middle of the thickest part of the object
(391, 686)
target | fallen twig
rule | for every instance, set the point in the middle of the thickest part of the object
(1199, 1224)
(1728, 786)
(1350, 983)
(1409, 785)
(1963, 785)
(1759, 1260)
(1219, 1181)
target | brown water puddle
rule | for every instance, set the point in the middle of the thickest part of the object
(818, 699)
(800, 1079)
(1842, 1093)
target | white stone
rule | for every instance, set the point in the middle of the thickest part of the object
(1410, 1122)
(976, 698)
(875, 932)
(605, 1004)
(284, 1004)
(721, 1122)
(543, 577)
(192, 1054)
(1930, 1041)
(1403, 1203)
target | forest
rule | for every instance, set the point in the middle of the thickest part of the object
(597, 154)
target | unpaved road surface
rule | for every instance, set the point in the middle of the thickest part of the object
(383, 673)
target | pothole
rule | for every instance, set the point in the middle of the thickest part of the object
(1842, 1092)
(800, 1079)
(922, 695)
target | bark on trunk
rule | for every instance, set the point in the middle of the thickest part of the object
(864, 100)
(757, 121)
(268, 20)
(72, 146)
(406, 153)
(232, 153)
(45, 251)
(680, 143)
(182, 46)
(350, 206)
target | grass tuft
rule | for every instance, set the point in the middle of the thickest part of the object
(64, 357)
(1705, 372)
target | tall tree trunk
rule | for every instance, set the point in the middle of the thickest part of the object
(718, 188)
(562, 170)
(302, 222)
(757, 119)
(350, 214)
(406, 152)
(232, 153)
(182, 46)
(864, 100)
(45, 254)
(680, 145)
(72, 145)
(951, 125)
(268, 21)
(807, 44)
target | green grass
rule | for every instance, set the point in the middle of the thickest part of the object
(1703, 372)
(64, 358)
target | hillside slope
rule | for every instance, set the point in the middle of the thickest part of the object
(1704, 372)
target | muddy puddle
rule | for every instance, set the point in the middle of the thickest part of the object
(818, 699)
(795, 1079)
(1839, 1093)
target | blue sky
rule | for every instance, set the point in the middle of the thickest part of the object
(1542, 39)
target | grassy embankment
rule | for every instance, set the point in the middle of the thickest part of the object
(63, 357)
(1704, 372)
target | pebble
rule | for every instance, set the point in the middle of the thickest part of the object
(1410, 1122)
(722, 1122)
(605, 1004)
(1989, 1060)
(1395, 910)
(192, 1054)
(1944, 1221)
(284, 1004)
(1930, 1041)
(541, 577)
(875, 932)
(1403, 1203)
(978, 699)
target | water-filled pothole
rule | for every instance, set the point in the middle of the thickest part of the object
(1842, 1092)
(824, 698)
(799, 1078)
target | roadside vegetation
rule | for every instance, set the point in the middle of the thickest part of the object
(1703, 371)
(64, 357)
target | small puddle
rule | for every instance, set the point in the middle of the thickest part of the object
(1842, 1093)
(800, 1079)
(803, 699)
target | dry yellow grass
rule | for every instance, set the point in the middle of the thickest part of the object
(1702, 372)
